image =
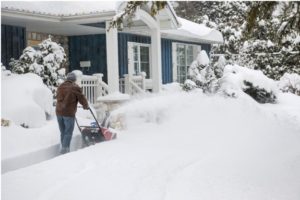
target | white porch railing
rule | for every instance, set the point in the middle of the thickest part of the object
(133, 84)
(93, 87)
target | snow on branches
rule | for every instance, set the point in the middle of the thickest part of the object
(45, 61)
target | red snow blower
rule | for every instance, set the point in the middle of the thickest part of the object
(95, 133)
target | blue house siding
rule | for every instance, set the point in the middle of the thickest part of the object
(166, 60)
(93, 48)
(13, 42)
(166, 57)
(123, 39)
(88, 47)
(166, 53)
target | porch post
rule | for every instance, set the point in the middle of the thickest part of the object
(156, 59)
(154, 26)
(112, 59)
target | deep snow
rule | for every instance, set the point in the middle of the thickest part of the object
(177, 145)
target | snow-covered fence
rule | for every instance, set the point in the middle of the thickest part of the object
(133, 84)
(140, 80)
(93, 87)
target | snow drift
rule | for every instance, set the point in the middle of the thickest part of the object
(177, 146)
(25, 100)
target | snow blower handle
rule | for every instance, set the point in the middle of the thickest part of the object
(95, 117)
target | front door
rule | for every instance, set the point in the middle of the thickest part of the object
(139, 59)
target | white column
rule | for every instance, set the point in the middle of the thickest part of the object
(112, 59)
(156, 59)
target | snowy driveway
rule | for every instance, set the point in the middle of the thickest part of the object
(176, 147)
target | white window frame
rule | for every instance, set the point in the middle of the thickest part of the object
(196, 51)
(131, 58)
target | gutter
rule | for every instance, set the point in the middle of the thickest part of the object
(29, 15)
(103, 16)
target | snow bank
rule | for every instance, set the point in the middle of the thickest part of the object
(26, 100)
(177, 146)
(232, 82)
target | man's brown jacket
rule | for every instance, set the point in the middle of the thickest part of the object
(68, 95)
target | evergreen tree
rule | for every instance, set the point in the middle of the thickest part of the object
(258, 35)
(227, 17)
(45, 62)
(201, 75)
(272, 44)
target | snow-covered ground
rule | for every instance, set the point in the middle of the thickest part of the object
(176, 145)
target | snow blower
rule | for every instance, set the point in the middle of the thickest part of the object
(95, 133)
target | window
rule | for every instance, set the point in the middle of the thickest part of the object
(139, 58)
(183, 56)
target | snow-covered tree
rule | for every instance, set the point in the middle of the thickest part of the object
(201, 75)
(290, 83)
(28, 62)
(273, 40)
(260, 35)
(46, 62)
(227, 17)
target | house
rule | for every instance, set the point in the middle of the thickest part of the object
(162, 47)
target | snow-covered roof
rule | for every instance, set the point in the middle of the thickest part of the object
(198, 31)
(79, 9)
(61, 8)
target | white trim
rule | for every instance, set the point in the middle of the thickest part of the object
(112, 59)
(145, 17)
(77, 19)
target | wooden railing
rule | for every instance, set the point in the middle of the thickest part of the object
(133, 84)
(93, 87)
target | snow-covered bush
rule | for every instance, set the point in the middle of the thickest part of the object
(27, 101)
(45, 62)
(201, 75)
(259, 94)
(290, 83)
(238, 80)
(28, 62)
(189, 85)
(4, 71)
(219, 66)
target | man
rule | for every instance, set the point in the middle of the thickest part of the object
(68, 95)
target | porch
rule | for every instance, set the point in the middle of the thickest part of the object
(94, 87)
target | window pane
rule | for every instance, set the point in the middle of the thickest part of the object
(144, 57)
(144, 50)
(145, 68)
(136, 68)
(135, 53)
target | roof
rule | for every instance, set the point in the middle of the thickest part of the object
(79, 9)
(196, 31)
(60, 8)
